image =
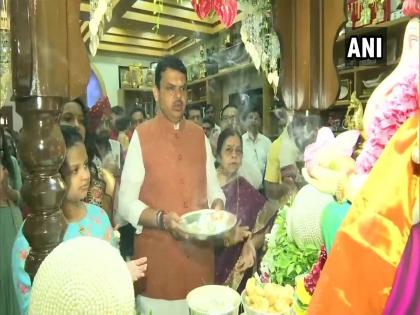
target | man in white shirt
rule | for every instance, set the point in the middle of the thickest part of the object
(169, 171)
(255, 144)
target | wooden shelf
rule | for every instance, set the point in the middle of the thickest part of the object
(371, 67)
(141, 89)
(345, 103)
(366, 28)
(223, 72)
(196, 102)
(342, 103)
(198, 81)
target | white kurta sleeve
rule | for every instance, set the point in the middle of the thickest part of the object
(129, 206)
(213, 188)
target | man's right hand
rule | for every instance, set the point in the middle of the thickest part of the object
(171, 223)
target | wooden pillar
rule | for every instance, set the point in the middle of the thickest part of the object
(307, 31)
(49, 66)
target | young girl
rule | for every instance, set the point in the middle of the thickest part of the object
(10, 222)
(82, 219)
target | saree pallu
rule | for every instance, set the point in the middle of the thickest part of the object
(252, 210)
(360, 269)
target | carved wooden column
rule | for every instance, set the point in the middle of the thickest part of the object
(307, 31)
(49, 65)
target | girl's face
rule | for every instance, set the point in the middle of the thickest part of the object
(77, 175)
(230, 158)
(73, 116)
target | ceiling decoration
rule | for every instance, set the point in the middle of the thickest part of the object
(130, 29)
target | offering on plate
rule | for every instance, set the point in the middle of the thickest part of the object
(269, 298)
(204, 224)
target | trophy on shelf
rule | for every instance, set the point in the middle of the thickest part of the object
(396, 9)
(365, 14)
(149, 77)
(380, 12)
(349, 23)
(354, 115)
(202, 65)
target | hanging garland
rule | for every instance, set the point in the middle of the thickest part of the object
(261, 41)
(5, 55)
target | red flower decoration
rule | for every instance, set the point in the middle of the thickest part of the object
(227, 10)
(202, 7)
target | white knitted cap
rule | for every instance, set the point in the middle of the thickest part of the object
(84, 275)
(303, 219)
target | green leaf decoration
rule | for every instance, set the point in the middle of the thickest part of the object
(284, 259)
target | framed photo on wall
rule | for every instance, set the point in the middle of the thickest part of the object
(122, 77)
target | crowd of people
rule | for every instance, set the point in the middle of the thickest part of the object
(129, 178)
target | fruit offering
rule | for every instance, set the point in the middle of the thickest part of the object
(268, 298)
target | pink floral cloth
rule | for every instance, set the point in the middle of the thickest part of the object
(400, 105)
(327, 145)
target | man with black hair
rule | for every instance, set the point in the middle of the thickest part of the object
(282, 177)
(195, 114)
(282, 154)
(255, 144)
(137, 116)
(209, 113)
(208, 126)
(169, 171)
(229, 117)
(116, 112)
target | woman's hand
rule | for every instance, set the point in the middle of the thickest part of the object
(239, 234)
(248, 256)
(137, 268)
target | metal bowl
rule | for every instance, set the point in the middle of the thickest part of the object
(207, 224)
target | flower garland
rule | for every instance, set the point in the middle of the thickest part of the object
(284, 260)
(400, 105)
(262, 43)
